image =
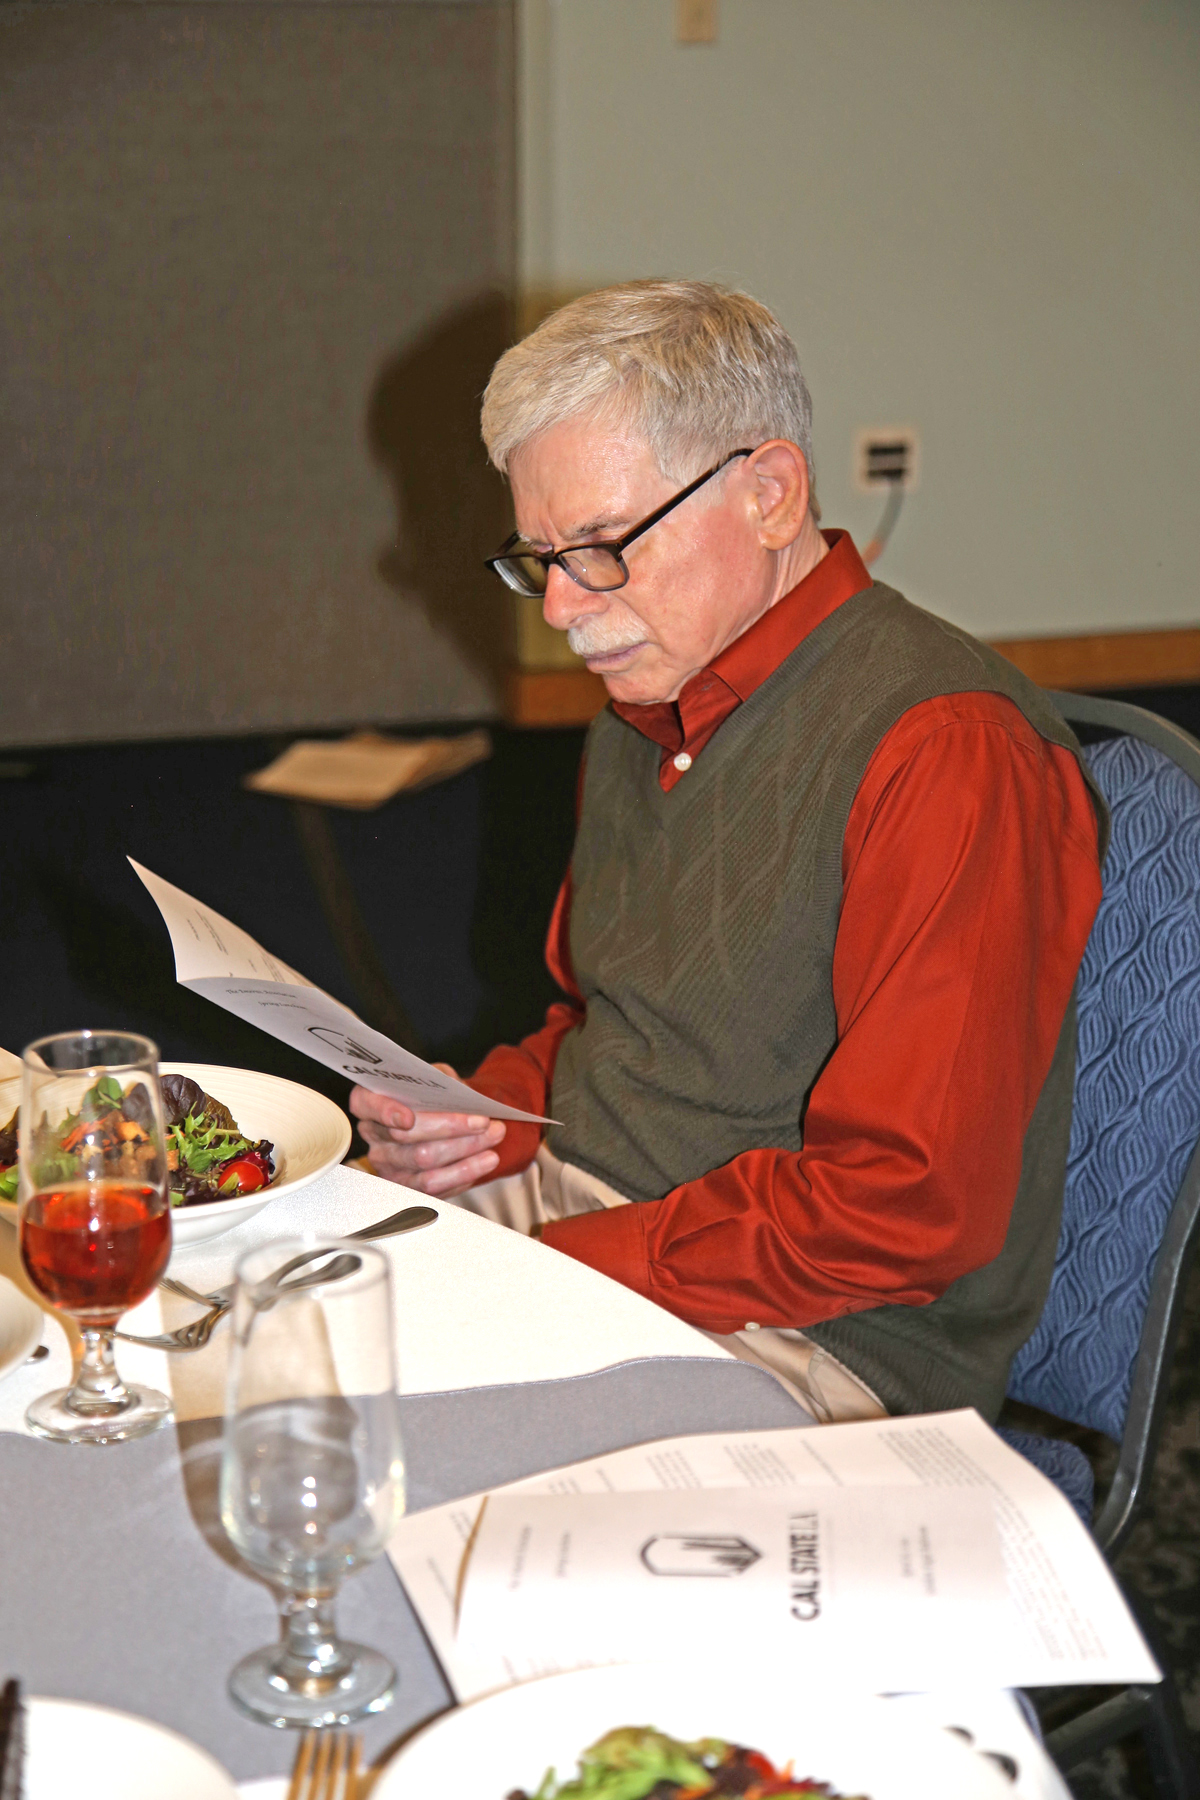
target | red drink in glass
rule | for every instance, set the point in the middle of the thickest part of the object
(95, 1248)
(94, 1223)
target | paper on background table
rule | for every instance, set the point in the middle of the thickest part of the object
(365, 769)
(218, 959)
(1075, 1626)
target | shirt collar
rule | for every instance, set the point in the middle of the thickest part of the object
(745, 664)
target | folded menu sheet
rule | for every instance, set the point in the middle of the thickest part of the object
(931, 1550)
(219, 960)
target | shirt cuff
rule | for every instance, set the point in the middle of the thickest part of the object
(612, 1241)
(516, 1149)
(506, 1074)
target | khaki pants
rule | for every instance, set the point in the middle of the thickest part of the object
(550, 1189)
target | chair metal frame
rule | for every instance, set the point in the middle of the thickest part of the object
(1153, 1711)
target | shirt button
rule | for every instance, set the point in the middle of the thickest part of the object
(751, 1325)
(683, 762)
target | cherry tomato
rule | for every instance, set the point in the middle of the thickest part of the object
(244, 1175)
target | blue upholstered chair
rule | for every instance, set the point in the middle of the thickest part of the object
(1101, 1353)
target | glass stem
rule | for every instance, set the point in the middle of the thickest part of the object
(312, 1660)
(98, 1390)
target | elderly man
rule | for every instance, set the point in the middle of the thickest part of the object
(835, 869)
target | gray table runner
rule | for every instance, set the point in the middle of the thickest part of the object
(118, 1585)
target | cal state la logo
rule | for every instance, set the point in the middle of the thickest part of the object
(711, 1554)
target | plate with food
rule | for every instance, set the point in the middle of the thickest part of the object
(236, 1139)
(21, 1323)
(72, 1747)
(629, 1732)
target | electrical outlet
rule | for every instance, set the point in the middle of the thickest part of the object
(886, 456)
(695, 21)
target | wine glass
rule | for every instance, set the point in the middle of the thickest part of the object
(312, 1472)
(95, 1220)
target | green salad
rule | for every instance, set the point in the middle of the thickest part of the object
(208, 1157)
(636, 1762)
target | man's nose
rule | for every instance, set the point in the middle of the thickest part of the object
(566, 602)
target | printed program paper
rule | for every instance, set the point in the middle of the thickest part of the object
(1067, 1621)
(224, 963)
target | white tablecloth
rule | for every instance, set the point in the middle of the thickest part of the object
(476, 1305)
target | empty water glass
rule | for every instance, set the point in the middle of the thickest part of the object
(312, 1474)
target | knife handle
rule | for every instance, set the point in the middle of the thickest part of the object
(12, 1741)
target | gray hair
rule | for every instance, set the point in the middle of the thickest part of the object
(696, 370)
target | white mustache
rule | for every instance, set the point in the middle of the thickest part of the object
(592, 637)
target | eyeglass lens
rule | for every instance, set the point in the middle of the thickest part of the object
(524, 574)
(591, 566)
(595, 568)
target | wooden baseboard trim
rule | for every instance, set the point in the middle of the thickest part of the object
(1107, 660)
(1099, 662)
(549, 697)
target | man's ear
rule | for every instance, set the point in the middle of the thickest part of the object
(779, 475)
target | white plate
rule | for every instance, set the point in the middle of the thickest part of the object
(20, 1326)
(310, 1134)
(858, 1745)
(73, 1748)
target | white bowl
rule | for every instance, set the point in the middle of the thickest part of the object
(21, 1324)
(310, 1134)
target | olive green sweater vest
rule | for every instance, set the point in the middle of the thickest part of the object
(703, 924)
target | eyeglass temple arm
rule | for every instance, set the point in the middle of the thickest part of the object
(620, 544)
(546, 558)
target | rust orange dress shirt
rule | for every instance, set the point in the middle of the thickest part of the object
(970, 882)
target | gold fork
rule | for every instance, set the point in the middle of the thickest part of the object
(328, 1767)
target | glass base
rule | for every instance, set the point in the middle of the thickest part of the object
(365, 1686)
(145, 1411)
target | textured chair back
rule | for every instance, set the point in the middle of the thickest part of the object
(1136, 1119)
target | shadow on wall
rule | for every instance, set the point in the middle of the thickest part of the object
(452, 508)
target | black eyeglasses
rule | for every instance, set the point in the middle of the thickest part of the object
(599, 567)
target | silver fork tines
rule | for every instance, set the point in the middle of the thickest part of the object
(188, 1293)
(187, 1337)
(196, 1335)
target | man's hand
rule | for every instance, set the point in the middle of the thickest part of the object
(441, 1154)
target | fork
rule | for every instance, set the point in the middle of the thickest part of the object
(327, 1767)
(409, 1218)
(196, 1335)
(187, 1337)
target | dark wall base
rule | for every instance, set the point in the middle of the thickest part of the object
(456, 884)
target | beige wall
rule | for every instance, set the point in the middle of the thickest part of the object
(978, 217)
